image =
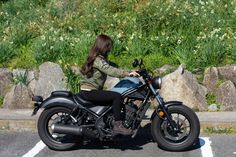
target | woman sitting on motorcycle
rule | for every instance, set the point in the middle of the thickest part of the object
(95, 70)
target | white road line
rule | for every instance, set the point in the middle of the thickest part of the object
(35, 150)
(206, 147)
(234, 153)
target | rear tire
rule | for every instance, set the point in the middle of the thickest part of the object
(55, 141)
(167, 139)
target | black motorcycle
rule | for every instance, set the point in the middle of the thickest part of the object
(68, 118)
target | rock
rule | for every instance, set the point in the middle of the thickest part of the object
(211, 78)
(18, 98)
(228, 72)
(226, 96)
(51, 78)
(182, 85)
(213, 108)
(110, 82)
(6, 80)
(165, 69)
(33, 77)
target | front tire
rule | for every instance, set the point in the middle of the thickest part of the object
(45, 121)
(187, 122)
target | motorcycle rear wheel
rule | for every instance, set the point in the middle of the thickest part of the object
(187, 122)
(55, 141)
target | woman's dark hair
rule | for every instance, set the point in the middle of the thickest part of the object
(102, 46)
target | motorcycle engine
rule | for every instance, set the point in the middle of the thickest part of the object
(130, 113)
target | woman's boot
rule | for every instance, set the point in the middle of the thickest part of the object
(118, 128)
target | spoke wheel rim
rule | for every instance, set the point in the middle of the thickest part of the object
(183, 127)
(60, 117)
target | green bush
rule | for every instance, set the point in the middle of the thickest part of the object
(22, 78)
(195, 33)
(6, 52)
(1, 101)
(24, 59)
(211, 98)
(73, 81)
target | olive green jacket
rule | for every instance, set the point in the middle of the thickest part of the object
(101, 68)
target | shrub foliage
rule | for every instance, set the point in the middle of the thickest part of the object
(195, 33)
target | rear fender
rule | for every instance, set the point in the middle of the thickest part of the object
(59, 101)
(167, 105)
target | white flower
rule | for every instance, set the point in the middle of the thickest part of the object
(70, 28)
(43, 37)
(119, 35)
(61, 38)
(179, 41)
(201, 2)
(212, 33)
(132, 36)
(234, 10)
(223, 36)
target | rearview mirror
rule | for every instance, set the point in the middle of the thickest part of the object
(135, 63)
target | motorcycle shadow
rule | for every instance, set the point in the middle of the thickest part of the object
(123, 143)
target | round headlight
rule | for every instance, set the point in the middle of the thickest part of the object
(156, 82)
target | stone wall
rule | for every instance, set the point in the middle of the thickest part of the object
(19, 85)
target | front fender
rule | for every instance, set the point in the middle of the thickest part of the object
(167, 105)
(58, 101)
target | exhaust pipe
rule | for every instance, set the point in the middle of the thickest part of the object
(72, 130)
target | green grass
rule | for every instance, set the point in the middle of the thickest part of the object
(1, 101)
(22, 78)
(217, 130)
(211, 98)
(73, 81)
(198, 34)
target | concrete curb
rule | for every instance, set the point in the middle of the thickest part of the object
(21, 120)
(18, 120)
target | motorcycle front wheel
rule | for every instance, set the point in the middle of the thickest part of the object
(48, 117)
(187, 133)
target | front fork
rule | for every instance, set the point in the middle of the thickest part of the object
(162, 107)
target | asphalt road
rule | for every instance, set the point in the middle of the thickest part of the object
(24, 144)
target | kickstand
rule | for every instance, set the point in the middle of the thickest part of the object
(135, 132)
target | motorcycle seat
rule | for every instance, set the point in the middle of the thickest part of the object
(61, 93)
(82, 100)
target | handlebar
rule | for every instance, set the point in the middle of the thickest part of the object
(142, 72)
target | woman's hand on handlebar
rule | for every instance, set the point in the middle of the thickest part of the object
(134, 74)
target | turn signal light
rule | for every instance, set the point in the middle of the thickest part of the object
(161, 113)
